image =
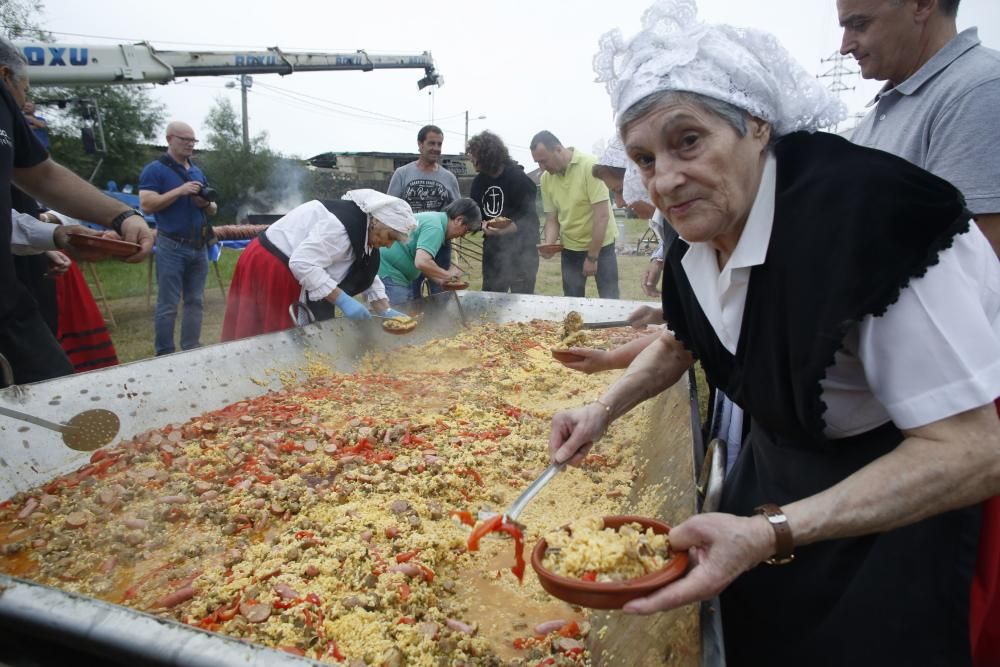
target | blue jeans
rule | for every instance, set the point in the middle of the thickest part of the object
(180, 271)
(399, 292)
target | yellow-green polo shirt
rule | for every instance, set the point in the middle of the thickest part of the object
(570, 196)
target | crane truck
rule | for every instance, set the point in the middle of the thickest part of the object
(59, 64)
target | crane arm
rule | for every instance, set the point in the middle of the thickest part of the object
(82, 64)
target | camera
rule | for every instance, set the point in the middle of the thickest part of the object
(208, 193)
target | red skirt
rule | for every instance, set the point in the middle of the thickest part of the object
(259, 296)
(82, 332)
(984, 613)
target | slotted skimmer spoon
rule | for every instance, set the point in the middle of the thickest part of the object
(514, 511)
(84, 432)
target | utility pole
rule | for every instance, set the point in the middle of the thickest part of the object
(245, 82)
(838, 72)
(467, 127)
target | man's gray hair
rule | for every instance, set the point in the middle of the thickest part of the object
(469, 211)
(730, 113)
(11, 57)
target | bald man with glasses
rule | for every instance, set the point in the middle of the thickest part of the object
(170, 189)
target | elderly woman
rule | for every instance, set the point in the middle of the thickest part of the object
(503, 190)
(322, 253)
(843, 298)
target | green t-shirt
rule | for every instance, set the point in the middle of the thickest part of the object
(397, 259)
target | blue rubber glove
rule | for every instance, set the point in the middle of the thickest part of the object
(351, 308)
(392, 312)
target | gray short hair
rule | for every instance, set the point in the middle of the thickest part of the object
(468, 209)
(11, 57)
(730, 113)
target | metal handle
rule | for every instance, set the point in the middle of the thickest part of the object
(6, 372)
(38, 421)
(298, 305)
(514, 511)
(605, 325)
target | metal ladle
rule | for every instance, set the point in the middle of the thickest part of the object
(84, 432)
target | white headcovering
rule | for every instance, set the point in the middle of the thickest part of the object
(632, 189)
(745, 67)
(391, 211)
(614, 155)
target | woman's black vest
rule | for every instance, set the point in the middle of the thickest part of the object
(362, 273)
(852, 227)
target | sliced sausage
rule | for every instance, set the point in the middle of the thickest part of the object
(182, 594)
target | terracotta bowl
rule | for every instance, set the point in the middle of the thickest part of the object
(108, 246)
(499, 222)
(611, 595)
(399, 328)
(566, 356)
(455, 285)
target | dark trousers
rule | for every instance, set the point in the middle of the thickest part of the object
(30, 346)
(575, 283)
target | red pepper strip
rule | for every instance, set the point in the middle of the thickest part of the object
(230, 613)
(167, 458)
(406, 620)
(304, 533)
(589, 576)
(314, 599)
(471, 473)
(427, 573)
(464, 516)
(493, 525)
(333, 652)
(286, 604)
(404, 591)
(406, 555)
(101, 454)
(569, 630)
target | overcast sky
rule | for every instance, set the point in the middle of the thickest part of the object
(523, 64)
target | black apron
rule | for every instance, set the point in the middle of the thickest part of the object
(852, 226)
(363, 271)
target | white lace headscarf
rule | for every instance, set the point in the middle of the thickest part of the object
(614, 155)
(632, 189)
(392, 212)
(747, 68)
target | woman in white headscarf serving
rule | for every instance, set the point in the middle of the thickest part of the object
(322, 254)
(840, 296)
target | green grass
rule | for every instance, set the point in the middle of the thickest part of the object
(125, 286)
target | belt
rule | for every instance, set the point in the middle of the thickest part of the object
(183, 240)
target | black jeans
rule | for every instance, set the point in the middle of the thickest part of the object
(29, 345)
(575, 283)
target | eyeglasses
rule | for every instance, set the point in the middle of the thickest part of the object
(187, 140)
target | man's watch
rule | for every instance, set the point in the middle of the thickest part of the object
(120, 219)
(784, 543)
(592, 258)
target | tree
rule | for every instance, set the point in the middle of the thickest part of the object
(18, 19)
(130, 118)
(243, 178)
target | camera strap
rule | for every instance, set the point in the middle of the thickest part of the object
(186, 177)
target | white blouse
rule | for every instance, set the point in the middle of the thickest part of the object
(933, 354)
(319, 250)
